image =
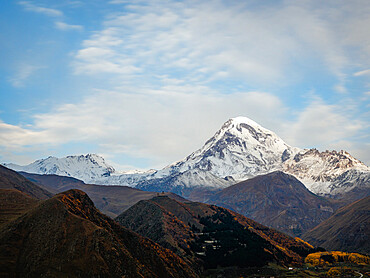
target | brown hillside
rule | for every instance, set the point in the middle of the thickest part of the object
(277, 200)
(67, 236)
(347, 230)
(13, 204)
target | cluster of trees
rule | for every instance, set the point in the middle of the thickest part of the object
(230, 243)
(327, 258)
(339, 272)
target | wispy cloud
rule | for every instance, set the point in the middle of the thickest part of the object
(29, 6)
(24, 72)
(67, 27)
(323, 125)
(362, 72)
(275, 45)
(57, 14)
(119, 2)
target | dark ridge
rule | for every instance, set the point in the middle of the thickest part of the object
(67, 236)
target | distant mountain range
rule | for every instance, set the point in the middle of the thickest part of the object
(241, 149)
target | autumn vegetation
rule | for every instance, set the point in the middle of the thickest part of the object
(328, 258)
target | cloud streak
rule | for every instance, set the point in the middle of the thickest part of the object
(24, 72)
(67, 27)
(362, 72)
(29, 6)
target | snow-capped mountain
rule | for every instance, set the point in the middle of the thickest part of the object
(84, 167)
(241, 149)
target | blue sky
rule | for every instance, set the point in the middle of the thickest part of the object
(145, 83)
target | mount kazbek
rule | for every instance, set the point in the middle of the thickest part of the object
(240, 150)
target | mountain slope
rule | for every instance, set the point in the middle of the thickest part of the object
(347, 230)
(152, 220)
(277, 200)
(214, 235)
(10, 179)
(14, 203)
(67, 236)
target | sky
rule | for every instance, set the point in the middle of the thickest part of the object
(146, 83)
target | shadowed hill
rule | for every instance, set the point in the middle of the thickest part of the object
(347, 230)
(66, 235)
(13, 204)
(277, 200)
(211, 235)
(10, 179)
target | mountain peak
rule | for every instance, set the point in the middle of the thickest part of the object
(240, 124)
(242, 120)
(241, 149)
(249, 132)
